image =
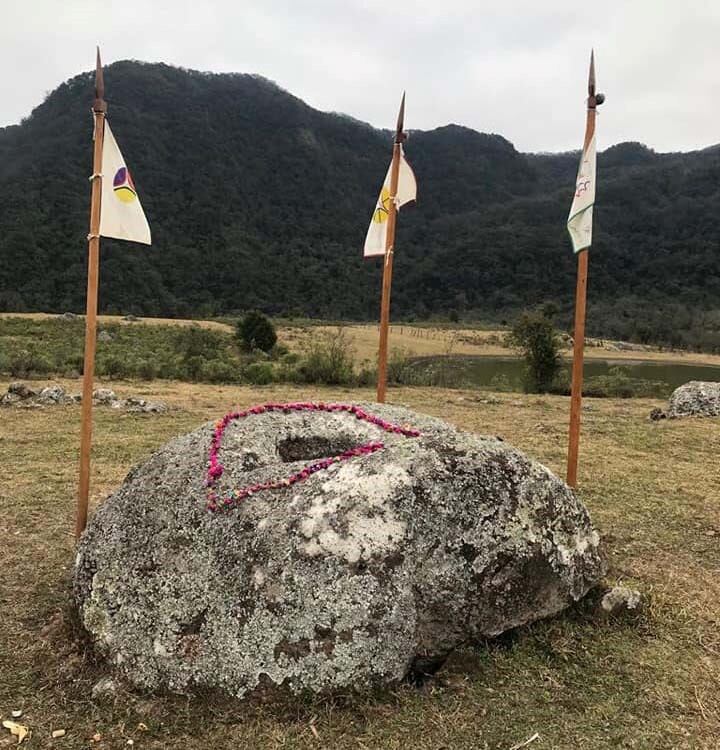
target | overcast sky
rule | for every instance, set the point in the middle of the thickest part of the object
(513, 67)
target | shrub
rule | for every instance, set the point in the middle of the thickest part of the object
(618, 383)
(194, 341)
(256, 331)
(110, 366)
(193, 367)
(259, 373)
(500, 382)
(147, 370)
(400, 369)
(329, 360)
(23, 362)
(534, 335)
(367, 375)
(218, 371)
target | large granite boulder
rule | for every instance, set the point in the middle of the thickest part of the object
(348, 575)
(695, 399)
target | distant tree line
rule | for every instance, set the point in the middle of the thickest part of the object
(258, 202)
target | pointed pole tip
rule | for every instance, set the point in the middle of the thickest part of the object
(99, 105)
(399, 135)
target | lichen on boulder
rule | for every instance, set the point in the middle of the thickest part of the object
(695, 399)
(356, 576)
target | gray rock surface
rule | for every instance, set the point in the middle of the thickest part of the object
(104, 688)
(23, 390)
(621, 600)
(695, 399)
(104, 396)
(52, 394)
(136, 404)
(360, 574)
(21, 395)
(16, 393)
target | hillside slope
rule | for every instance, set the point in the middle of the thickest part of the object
(257, 200)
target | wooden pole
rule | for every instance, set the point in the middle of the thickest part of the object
(580, 305)
(99, 109)
(389, 252)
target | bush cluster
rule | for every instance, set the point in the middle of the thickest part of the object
(193, 353)
(534, 335)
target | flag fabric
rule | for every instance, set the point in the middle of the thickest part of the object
(376, 237)
(579, 222)
(121, 215)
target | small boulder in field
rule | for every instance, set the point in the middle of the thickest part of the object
(363, 572)
(620, 601)
(22, 390)
(104, 396)
(52, 394)
(136, 404)
(695, 399)
(16, 393)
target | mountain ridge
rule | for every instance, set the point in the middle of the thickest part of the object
(258, 200)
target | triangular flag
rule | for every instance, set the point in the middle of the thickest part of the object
(121, 215)
(579, 222)
(376, 237)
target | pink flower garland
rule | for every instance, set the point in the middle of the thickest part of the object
(216, 469)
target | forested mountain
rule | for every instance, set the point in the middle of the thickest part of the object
(258, 201)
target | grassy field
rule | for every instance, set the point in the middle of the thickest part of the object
(653, 490)
(420, 340)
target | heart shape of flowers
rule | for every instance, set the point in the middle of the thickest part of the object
(215, 469)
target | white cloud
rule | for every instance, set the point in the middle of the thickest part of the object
(518, 68)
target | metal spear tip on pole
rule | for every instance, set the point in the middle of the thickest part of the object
(99, 104)
(593, 98)
(400, 135)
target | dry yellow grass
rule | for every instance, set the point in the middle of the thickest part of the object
(653, 490)
(429, 341)
(120, 320)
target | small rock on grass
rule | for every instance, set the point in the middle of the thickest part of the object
(22, 390)
(104, 688)
(104, 395)
(621, 601)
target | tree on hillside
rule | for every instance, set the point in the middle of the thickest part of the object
(256, 331)
(535, 336)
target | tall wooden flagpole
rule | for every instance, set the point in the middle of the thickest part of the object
(389, 250)
(99, 109)
(580, 300)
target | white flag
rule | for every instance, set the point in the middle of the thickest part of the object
(579, 222)
(121, 215)
(376, 237)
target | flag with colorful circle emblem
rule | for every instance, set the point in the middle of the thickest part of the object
(376, 238)
(121, 215)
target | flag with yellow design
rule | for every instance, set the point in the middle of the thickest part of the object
(376, 238)
(121, 215)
